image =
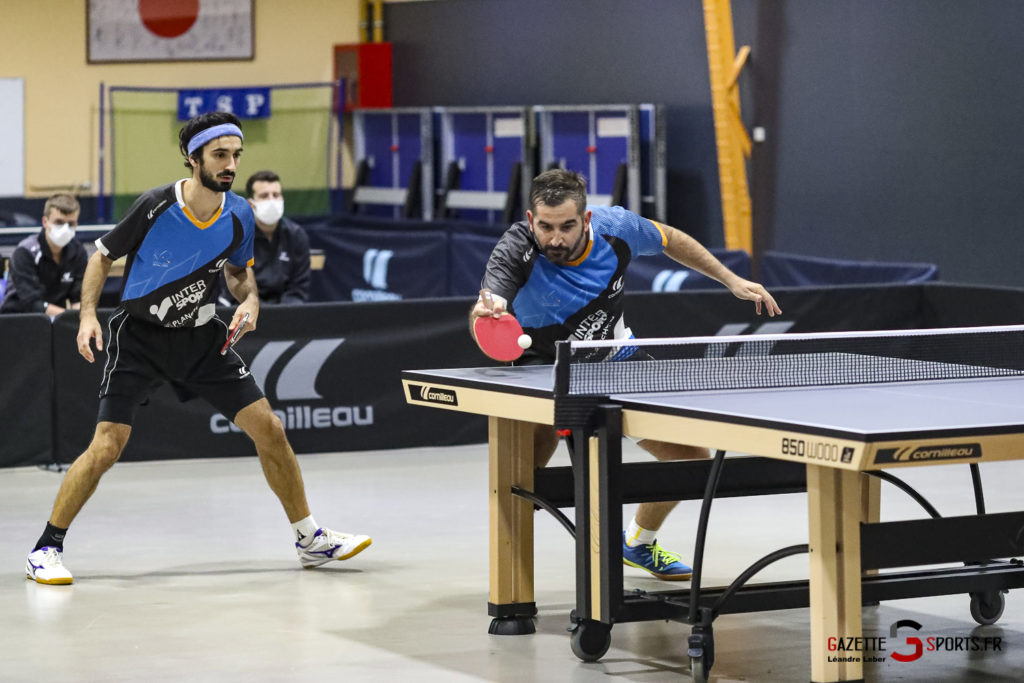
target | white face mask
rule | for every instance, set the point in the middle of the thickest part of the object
(269, 211)
(61, 233)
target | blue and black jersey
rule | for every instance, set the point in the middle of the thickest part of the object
(173, 259)
(581, 299)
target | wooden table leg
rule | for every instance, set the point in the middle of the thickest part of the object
(871, 504)
(835, 506)
(511, 602)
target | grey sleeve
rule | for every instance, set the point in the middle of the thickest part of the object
(510, 263)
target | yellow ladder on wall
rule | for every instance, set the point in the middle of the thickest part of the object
(731, 136)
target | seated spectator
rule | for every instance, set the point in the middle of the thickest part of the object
(281, 246)
(46, 269)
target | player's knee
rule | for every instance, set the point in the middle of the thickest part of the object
(261, 423)
(107, 445)
(269, 429)
(276, 427)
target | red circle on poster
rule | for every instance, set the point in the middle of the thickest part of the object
(168, 18)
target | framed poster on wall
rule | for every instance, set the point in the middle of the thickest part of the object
(169, 30)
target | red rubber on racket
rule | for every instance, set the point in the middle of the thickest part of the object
(233, 336)
(499, 337)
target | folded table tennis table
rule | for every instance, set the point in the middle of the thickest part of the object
(815, 412)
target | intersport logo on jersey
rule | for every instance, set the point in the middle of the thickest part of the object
(292, 392)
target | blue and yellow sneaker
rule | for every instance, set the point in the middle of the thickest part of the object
(656, 560)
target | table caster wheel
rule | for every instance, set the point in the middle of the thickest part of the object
(590, 640)
(701, 650)
(986, 608)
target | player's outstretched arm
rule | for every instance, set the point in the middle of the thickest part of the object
(92, 284)
(689, 252)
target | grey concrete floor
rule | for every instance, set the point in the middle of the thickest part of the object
(184, 571)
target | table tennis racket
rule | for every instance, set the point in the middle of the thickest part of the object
(499, 337)
(233, 337)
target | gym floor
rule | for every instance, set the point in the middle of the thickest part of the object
(184, 570)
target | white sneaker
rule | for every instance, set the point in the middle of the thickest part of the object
(328, 545)
(46, 565)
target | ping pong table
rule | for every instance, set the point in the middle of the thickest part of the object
(821, 426)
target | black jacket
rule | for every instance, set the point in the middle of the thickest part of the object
(35, 279)
(282, 265)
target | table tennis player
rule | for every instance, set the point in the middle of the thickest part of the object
(562, 273)
(178, 239)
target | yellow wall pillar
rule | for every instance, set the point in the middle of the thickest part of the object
(731, 137)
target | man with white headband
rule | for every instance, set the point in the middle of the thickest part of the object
(47, 268)
(177, 240)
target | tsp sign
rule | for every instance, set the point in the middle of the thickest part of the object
(245, 103)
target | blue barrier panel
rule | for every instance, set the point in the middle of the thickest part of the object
(392, 142)
(791, 270)
(468, 257)
(662, 274)
(593, 140)
(489, 145)
(375, 265)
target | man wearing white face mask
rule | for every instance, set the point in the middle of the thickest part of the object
(46, 269)
(281, 247)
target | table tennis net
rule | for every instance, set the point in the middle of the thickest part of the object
(772, 361)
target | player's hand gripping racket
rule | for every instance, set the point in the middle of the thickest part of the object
(500, 338)
(233, 337)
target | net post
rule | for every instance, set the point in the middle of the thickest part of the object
(563, 359)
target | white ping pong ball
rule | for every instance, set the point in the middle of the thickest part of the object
(524, 341)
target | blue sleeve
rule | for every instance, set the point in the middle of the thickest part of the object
(243, 255)
(644, 237)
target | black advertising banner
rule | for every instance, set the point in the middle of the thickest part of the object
(825, 309)
(330, 371)
(26, 390)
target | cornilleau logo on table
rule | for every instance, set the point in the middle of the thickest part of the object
(433, 394)
(920, 453)
(375, 273)
(297, 382)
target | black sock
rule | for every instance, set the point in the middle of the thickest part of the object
(53, 537)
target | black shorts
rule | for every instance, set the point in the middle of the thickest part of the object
(142, 356)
